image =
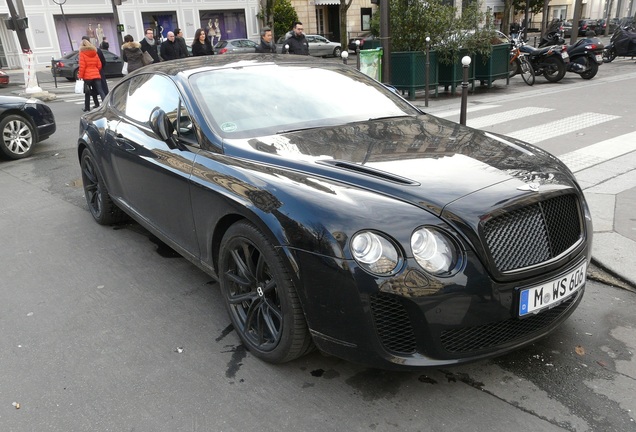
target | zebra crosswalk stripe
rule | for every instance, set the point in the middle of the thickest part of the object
(497, 118)
(560, 127)
(595, 154)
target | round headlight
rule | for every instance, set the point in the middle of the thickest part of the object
(434, 251)
(374, 252)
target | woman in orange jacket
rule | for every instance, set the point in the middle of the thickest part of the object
(89, 67)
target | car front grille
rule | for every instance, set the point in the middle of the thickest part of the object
(534, 234)
(474, 339)
(392, 324)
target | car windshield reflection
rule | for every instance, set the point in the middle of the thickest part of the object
(287, 98)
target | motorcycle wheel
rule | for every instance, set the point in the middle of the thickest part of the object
(609, 55)
(591, 71)
(527, 73)
(553, 69)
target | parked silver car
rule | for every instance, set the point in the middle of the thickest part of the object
(235, 46)
(319, 46)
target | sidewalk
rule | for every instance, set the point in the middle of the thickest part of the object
(612, 201)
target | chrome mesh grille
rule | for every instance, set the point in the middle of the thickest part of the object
(392, 324)
(533, 234)
(473, 339)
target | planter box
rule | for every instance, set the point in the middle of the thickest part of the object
(495, 66)
(452, 75)
(408, 71)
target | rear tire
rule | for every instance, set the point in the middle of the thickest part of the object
(260, 296)
(591, 71)
(337, 51)
(553, 69)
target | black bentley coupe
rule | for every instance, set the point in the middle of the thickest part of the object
(357, 224)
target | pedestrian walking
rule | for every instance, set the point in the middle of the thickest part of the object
(132, 54)
(149, 45)
(201, 44)
(170, 48)
(178, 35)
(104, 45)
(89, 70)
(297, 42)
(266, 46)
(102, 71)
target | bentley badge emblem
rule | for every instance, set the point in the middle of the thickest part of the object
(534, 187)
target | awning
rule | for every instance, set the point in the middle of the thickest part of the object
(326, 2)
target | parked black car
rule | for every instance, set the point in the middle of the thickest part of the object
(367, 41)
(23, 123)
(68, 66)
(587, 25)
(358, 224)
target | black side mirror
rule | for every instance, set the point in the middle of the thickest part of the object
(160, 124)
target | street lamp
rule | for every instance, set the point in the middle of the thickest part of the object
(462, 110)
(61, 2)
(345, 56)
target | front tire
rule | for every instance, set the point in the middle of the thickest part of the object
(100, 204)
(609, 55)
(527, 73)
(260, 296)
(18, 137)
(553, 69)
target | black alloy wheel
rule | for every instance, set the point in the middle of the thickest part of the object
(100, 204)
(609, 54)
(18, 137)
(261, 297)
(553, 68)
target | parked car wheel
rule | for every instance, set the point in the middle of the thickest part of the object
(337, 51)
(18, 137)
(554, 70)
(260, 296)
(101, 206)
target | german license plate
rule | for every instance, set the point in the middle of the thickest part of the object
(599, 58)
(537, 298)
(565, 54)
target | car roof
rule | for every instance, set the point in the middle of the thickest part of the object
(191, 65)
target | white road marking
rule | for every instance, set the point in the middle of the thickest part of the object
(561, 127)
(515, 114)
(455, 112)
(595, 154)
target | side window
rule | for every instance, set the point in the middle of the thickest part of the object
(147, 92)
(118, 97)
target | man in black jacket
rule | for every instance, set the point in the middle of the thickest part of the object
(297, 42)
(170, 48)
(149, 45)
(178, 36)
(266, 46)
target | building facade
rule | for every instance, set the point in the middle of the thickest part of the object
(56, 29)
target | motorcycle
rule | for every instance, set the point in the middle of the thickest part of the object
(585, 54)
(622, 43)
(550, 61)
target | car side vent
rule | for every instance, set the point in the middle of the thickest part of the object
(392, 324)
(369, 171)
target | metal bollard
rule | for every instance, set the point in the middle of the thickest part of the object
(345, 56)
(54, 71)
(428, 68)
(462, 112)
(358, 54)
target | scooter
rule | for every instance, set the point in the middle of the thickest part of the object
(550, 61)
(585, 54)
(622, 43)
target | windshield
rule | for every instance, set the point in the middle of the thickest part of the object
(257, 100)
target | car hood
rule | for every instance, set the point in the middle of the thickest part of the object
(424, 160)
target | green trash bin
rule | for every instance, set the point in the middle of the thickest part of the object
(371, 63)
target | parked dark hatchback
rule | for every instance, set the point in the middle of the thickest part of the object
(587, 25)
(359, 225)
(68, 66)
(23, 123)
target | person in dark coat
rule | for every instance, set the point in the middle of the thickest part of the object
(104, 45)
(266, 46)
(102, 71)
(170, 48)
(132, 54)
(201, 44)
(149, 45)
(297, 42)
(178, 35)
